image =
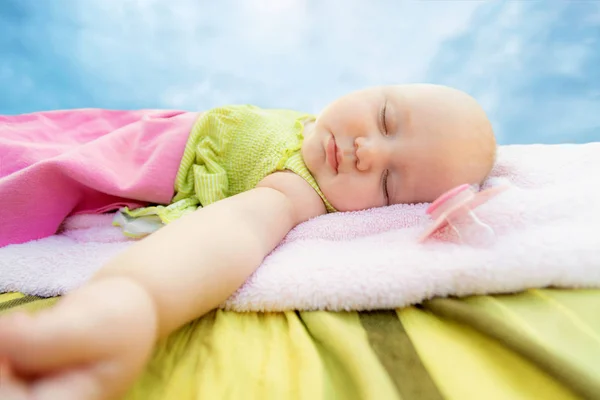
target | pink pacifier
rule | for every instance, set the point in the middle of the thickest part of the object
(455, 208)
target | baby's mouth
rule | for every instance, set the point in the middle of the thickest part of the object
(339, 155)
(332, 153)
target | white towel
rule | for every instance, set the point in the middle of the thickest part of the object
(547, 225)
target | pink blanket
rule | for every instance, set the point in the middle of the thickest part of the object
(547, 225)
(61, 163)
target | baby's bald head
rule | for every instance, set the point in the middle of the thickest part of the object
(450, 126)
(399, 144)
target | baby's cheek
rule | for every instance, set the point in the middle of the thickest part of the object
(352, 198)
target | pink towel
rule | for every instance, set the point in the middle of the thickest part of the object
(60, 163)
(547, 225)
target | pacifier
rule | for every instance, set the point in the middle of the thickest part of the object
(456, 209)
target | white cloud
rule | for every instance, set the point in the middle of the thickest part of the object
(531, 70)
(301, 53)
(533, 65)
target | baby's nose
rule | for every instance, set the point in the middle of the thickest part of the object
(366, 154)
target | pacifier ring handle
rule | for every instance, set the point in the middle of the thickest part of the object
(459, 203)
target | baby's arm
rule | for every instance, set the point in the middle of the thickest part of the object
(100, 336)
(192, 265)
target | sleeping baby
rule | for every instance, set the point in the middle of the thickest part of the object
(247, 176)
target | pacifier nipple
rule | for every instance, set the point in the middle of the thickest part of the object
(470, 229)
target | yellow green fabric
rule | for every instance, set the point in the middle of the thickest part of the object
(229, 151)
(556, 330)
(539, 344)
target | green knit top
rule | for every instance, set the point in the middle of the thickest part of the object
(230, 150)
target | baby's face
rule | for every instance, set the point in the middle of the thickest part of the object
(398, 144)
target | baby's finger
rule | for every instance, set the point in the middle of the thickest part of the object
(51, 339)
(72, 385)
(11, 387)
(84, 327)
(86, 383)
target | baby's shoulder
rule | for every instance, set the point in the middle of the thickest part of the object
(305, 200)
(252, 110)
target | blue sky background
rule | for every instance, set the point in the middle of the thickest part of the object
(534, 64)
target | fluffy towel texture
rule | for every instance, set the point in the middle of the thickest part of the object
(547, 235)
(60, 163)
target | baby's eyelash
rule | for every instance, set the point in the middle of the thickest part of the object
(383, 124)
(385, 186)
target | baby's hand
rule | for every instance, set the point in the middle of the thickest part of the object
(11, 387)
(91, 346)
